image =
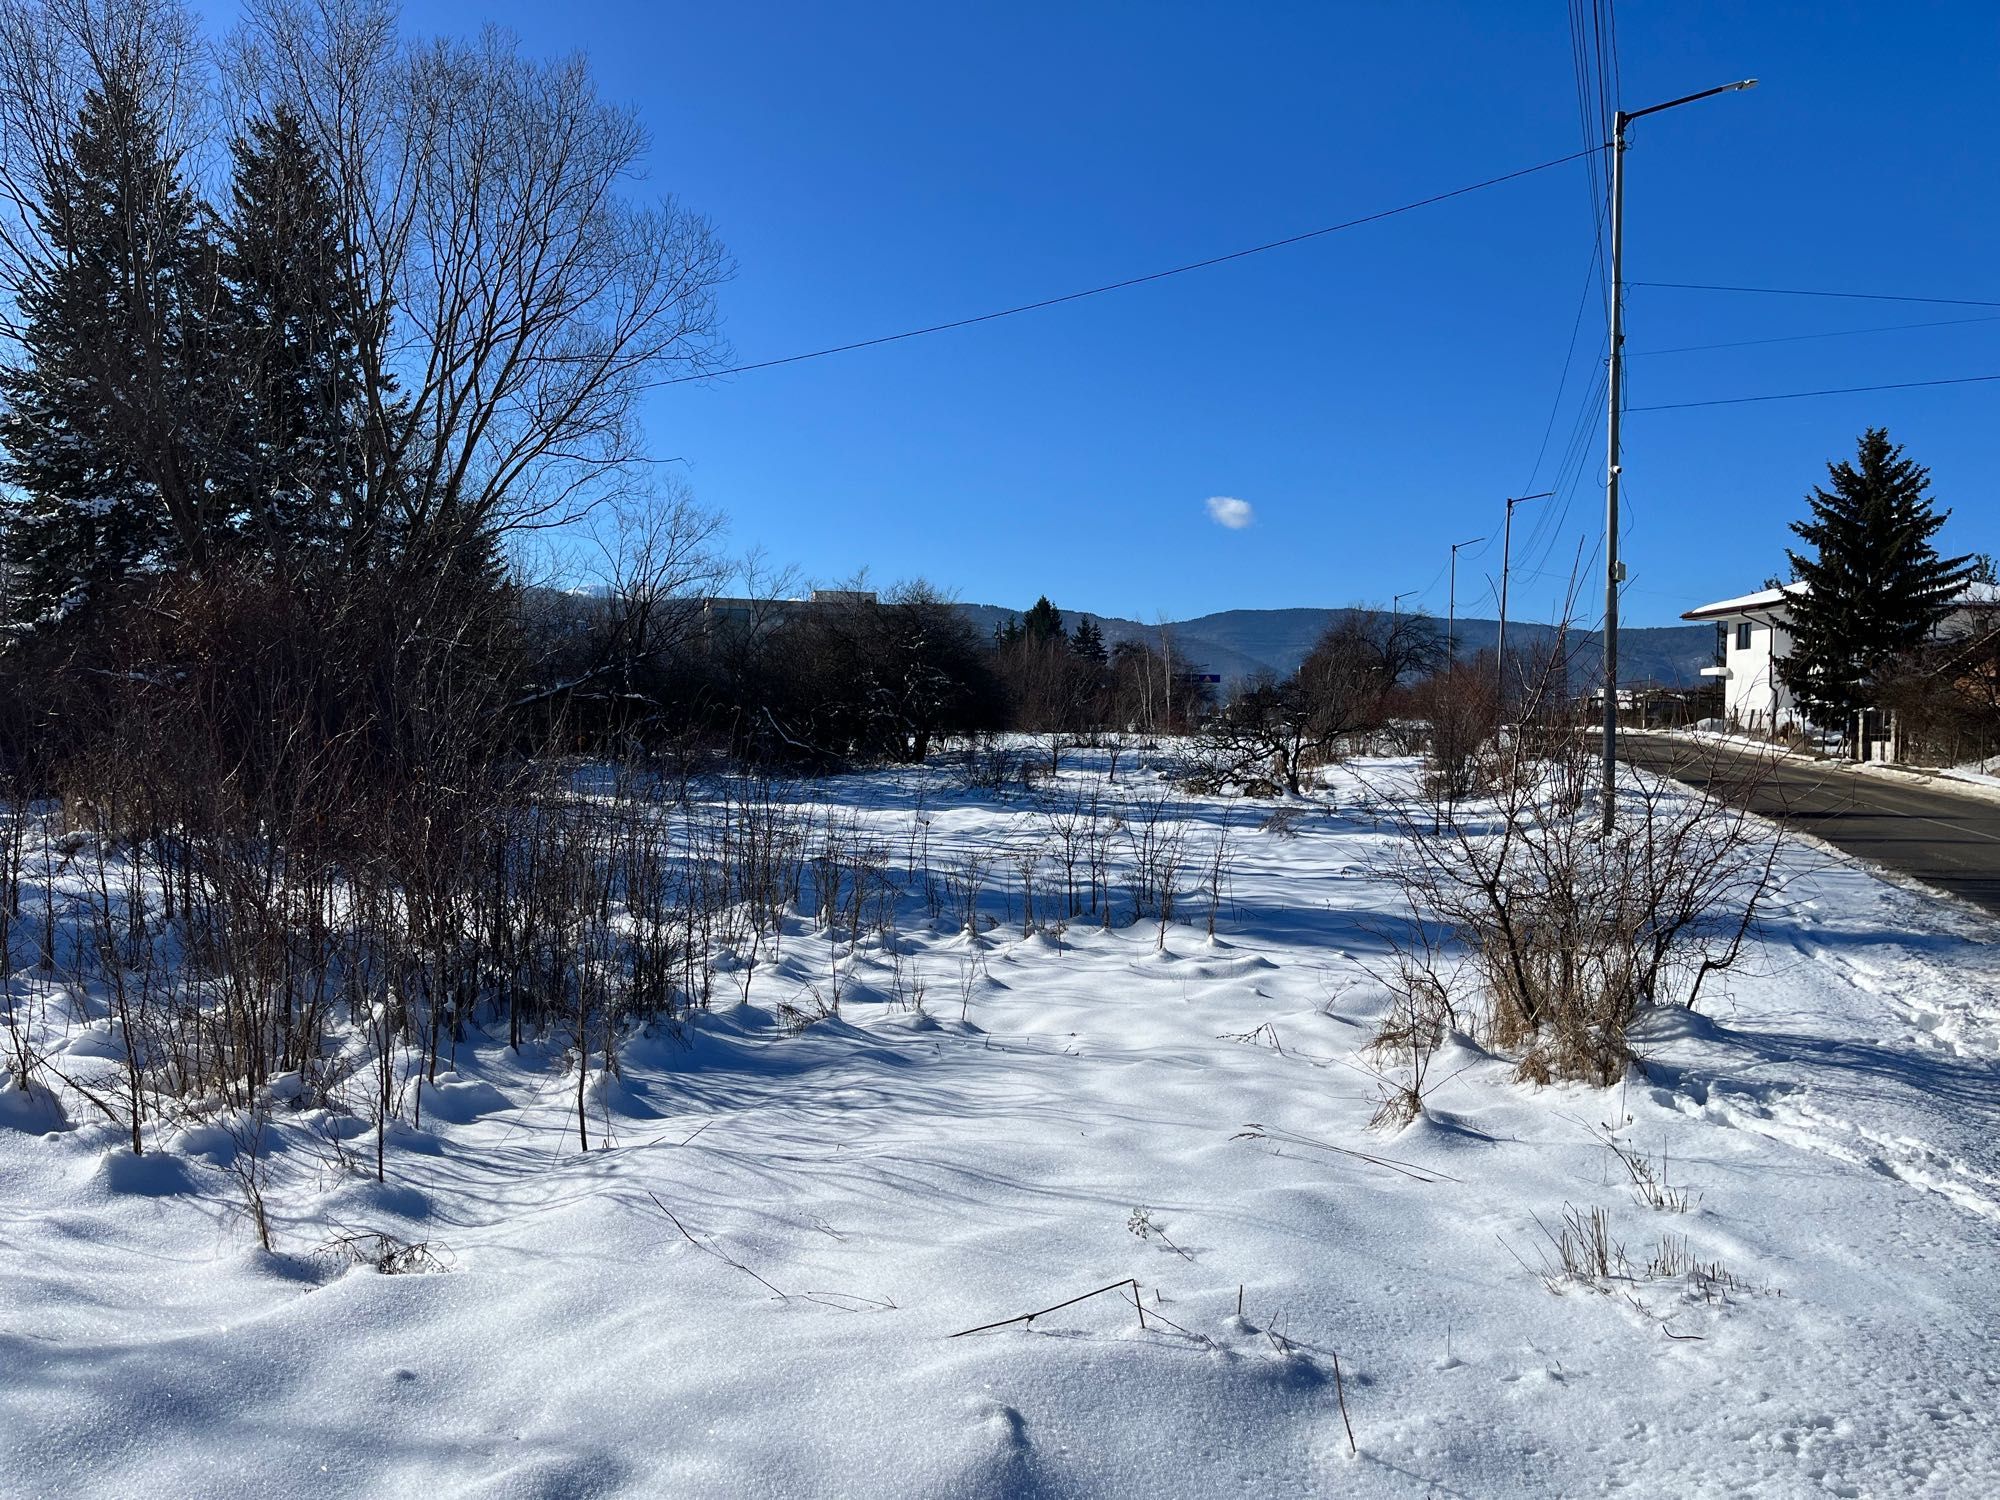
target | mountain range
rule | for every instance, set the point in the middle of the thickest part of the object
(1238, 644)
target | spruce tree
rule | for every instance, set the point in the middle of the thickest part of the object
(297, 312)
(1088, 642)
(1876, 584)
(1044, 622)
(106, 423)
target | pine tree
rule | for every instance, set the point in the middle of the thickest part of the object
(1044, 622)
(1876, 584)
(1088, 642)
(104, 424)
(297, 313)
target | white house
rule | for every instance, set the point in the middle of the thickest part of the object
(1755, 638)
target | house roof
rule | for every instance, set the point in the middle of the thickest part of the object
(1973, 596)
(1744, 604)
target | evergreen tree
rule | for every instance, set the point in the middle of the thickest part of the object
(1088, 642)
(296, 459)
(1044, 622)
(1876, 585)
(103, 424)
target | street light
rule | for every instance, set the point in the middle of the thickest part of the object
(1451, 609)
(1396, 604)
(1614, 570)
(1506, 556)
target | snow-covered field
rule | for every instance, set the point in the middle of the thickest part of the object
(752, 1288)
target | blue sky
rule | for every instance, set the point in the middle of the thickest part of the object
(1372, 395)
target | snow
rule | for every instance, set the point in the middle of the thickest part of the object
(1980, 778)
(1976, 595)
(1770, 598)
(1976, 780)
(752, 1288)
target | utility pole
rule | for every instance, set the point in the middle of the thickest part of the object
(1506, 557)
(1451, 608)
(1614, 570)
(1396, 604)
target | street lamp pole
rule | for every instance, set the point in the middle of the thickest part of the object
(1396, 604)
(1451, 608)
(1614, 570)
(1506, 557)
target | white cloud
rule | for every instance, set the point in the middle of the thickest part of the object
(1227, 510)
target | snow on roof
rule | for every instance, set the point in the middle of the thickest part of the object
(1745, 604)
(1972, 596)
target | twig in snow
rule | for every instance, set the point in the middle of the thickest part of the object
(1266, 1031)
(710, 1249)
(1255, 1132)
(1340, 1390)
(835, 1300)
(1130, 1281)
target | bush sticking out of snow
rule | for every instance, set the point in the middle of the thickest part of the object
(385, 1254)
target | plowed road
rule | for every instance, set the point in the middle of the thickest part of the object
(1943, 837)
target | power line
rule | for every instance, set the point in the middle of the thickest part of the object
(1837, 333)
(1590, 274)
(1131, 281)
(1792, 291)
(1845, 390)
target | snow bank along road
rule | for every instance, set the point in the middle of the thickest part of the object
(1947, 839)
(751, 1288)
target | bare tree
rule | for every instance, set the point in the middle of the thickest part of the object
(1274, 732)
(524, 302)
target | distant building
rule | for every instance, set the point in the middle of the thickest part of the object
(721, 615)
(1755, 635)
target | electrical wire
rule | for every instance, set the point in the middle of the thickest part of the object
(1792, 291)
(1130, 281)
(1562, 385)
(1836, 333)
(1845, 390)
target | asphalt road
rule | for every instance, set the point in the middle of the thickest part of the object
(1944, 838)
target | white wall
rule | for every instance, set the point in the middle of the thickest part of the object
(1752, 696)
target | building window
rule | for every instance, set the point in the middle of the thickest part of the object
(1743, 636)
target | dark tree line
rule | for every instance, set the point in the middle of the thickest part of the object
(842, 677)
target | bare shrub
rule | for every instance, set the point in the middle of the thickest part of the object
(1461, 706)
(1652, 1181)
(1578, 1250)
(987, 764)
(384, 1253)
(1271, 736)
(1156, 842)
(1573, 935)
(1422, 1015)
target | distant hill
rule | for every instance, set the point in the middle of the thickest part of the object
(1240, 643)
